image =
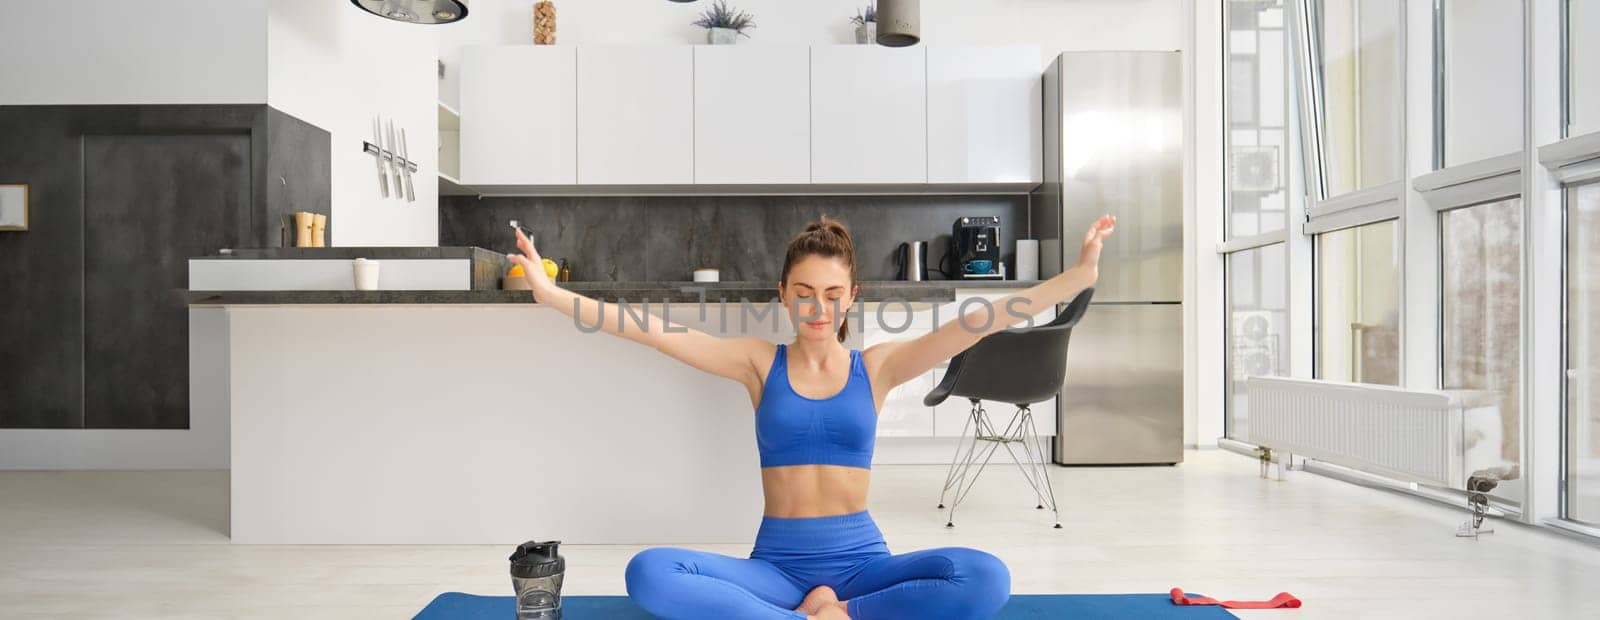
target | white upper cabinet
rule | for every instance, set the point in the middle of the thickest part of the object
(869, 111)
(752, 114)
(517, 108)
(564, 117)
(984, 108)
(635, 115)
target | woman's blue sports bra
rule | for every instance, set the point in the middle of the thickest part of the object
(794, 430)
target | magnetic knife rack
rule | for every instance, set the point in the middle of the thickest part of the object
(392, 161)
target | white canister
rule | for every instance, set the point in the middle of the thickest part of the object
(366, 272)
(1027, 259)
(706, 275)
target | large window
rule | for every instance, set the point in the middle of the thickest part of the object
(1361, 50)
(1262, 189)
(1358, 304)
(1258, 326)
(1583, 354)
(1481, 94)
(1258, 115)
(1583, 67)
(1481, 263)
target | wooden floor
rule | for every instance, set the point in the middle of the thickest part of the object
(154, 545)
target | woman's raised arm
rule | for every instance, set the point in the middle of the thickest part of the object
(900, 361)
(733, 358)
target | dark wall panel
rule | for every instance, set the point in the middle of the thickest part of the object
(41, 274)
(666, 237)
(298, 177)
(169, 182)
(151, 202)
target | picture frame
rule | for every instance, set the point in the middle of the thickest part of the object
(13, 206)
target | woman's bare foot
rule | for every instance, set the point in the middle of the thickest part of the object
(833, 611)
(817, 598)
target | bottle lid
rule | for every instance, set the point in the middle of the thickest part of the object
(537, 559)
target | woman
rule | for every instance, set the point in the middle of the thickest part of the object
(818, 554)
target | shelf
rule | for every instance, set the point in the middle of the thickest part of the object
(449, 186)
(449, 149)
(449, 119)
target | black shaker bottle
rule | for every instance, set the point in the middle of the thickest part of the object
(536, 572)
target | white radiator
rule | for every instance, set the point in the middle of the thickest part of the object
(1429, 437)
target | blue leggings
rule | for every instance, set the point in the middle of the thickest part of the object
(793, 556)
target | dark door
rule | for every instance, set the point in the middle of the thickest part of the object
(151, 202)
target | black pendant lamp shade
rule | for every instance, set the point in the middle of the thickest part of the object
(899, 23)
(416, 11)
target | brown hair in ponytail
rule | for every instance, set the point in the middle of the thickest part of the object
(828, 238)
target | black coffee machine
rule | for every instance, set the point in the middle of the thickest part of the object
(975, 248)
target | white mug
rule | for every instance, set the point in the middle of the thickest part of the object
(366, 272)
(706, 275)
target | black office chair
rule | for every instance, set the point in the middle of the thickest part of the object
(1017, 366)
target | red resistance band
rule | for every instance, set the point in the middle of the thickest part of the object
(1281, 601)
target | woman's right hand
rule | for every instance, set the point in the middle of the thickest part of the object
(1093, 242)
(532, 265)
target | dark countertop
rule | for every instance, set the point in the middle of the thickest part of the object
(934, 291)
(351, 253)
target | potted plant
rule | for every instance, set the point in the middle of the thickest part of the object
(724, 25)
(866, 24)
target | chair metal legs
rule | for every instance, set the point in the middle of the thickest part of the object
(962, 475)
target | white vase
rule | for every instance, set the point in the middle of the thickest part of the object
(867, 33)
(722, 36)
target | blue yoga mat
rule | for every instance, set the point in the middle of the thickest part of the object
(458, 606)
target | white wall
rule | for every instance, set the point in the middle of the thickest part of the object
(319, 60)
(336, 67)
(74, 52)
(1204, 313)
(1054, 25)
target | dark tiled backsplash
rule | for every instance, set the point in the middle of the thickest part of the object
(666, 238)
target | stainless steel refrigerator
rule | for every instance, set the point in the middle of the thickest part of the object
(1113, 124)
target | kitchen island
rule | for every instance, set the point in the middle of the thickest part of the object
(478, 417)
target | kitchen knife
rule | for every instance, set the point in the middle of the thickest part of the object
(377, 142)
(405, 166)
(394, 160)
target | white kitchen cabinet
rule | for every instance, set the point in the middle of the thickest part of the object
(984, 110)
(517, 109)
(902, 414)
(869, 114)
(752, 114)
(636, 115)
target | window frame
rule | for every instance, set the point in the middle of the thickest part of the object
(1440, 77)
(1522, 363)
(1311, 19)
(1317, 370)
(1547, 164)
(1564, 518)
(1569, 162)
(1295, 187)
